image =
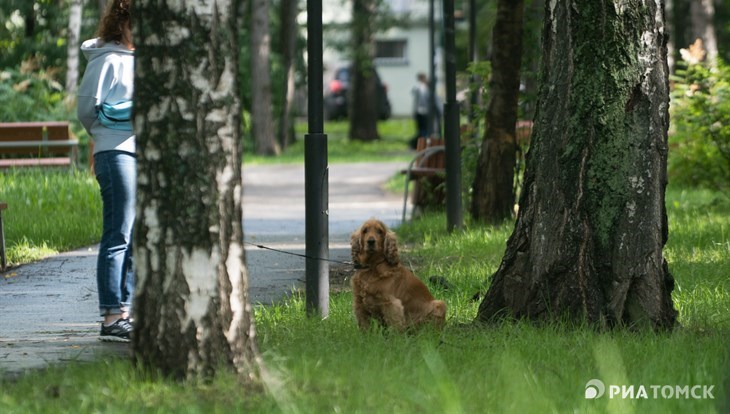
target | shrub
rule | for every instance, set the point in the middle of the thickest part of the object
(700, 135)
(472, 133)
(29, 94)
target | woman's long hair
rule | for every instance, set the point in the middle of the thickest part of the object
(113, 24)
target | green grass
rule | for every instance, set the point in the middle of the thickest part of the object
(49, 211)
(508, 368)
(392, 145)
(698, 252)
(328, 365)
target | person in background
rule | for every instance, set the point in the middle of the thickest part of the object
(421, 101)
(104, 109)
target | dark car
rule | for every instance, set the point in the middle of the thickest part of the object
(335, 99)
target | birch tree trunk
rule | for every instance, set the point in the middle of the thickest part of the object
(702, 13)
(72, 60)
(592, 222)
(362, 100)
(192, 313)
(493, 196)
(262, 118)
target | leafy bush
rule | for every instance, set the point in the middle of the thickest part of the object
(29, 94)
(700, 135)
(472, 129)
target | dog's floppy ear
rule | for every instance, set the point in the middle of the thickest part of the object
(356, 246)
(390, 248)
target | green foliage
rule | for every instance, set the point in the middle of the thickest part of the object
(472, 133)
(486, 16)
(38, 31)
(33, 29)
(700, 136)
(31, 95)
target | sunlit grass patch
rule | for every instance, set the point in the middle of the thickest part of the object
(698, 253)
(392, 145)
(49, 211)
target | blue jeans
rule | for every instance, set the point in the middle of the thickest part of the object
(116, 172)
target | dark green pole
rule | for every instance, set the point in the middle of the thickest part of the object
(316, 186)
(454, 214)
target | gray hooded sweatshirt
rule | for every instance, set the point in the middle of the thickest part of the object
(109, 77)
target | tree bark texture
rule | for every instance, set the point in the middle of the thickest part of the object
(592, 224)
(363, 112)
(262, 117)
(191, 307)
(72, 59)
(493, 192)
(289, 28)
(669, 24)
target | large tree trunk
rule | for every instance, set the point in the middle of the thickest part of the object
(191, 308)
(493, 196)
(72, 59)
(592, 223)
(363, 109)
(289, 28)
(262, 118)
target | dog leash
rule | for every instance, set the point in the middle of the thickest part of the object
(261, 246)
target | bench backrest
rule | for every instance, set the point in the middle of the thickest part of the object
(35, 131)
(436, 160)
(523, 130)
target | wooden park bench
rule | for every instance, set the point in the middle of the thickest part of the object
(523, 131)
(428, 170)
(37, 144)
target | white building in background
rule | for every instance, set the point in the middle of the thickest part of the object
(401, 52)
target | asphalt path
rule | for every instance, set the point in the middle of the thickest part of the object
(48, 309)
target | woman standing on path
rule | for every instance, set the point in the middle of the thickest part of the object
(104, 109)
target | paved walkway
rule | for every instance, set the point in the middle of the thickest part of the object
(48, 309)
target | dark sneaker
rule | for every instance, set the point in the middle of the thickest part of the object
(119, 331)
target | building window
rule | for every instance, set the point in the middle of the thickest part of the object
(391, 51)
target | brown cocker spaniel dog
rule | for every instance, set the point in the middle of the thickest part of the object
(383, 289)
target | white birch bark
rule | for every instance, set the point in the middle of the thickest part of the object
(72, 60)
(191, 308)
